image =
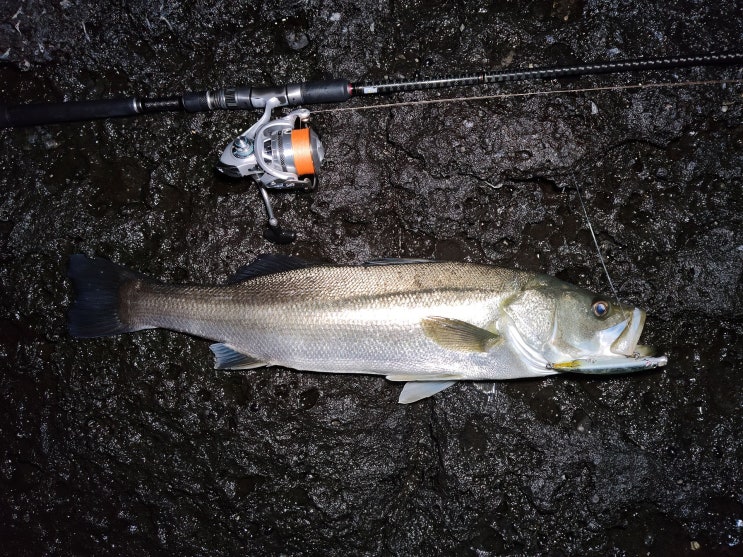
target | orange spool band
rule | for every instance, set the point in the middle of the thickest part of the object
(302, 152)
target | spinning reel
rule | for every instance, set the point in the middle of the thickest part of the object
(281, 154)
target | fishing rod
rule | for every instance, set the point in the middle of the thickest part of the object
(285, 153)
(325, 91)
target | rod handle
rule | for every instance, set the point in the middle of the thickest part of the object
(54, 113)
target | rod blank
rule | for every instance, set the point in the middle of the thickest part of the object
(535, 74)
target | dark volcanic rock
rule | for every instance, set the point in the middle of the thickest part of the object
(135, 445)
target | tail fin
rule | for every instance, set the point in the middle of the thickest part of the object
(97, 282)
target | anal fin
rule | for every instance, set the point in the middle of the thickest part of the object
(414, 391)
(226, 357)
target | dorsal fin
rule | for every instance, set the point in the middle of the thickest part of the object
(268, 264)
(396, 261)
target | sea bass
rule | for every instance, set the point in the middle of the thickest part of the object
(427, 323)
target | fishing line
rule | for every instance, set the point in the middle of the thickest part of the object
(598, 249)
(632, 86)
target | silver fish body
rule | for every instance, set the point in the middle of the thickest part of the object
(433, 322)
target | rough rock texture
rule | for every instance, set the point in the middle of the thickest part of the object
(135, 445)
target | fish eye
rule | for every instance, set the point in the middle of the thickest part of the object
(601, 308)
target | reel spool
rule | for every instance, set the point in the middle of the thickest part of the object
(281, 154)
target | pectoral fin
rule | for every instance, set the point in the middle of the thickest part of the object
(417, 390)
(459, 335)
(226, 357)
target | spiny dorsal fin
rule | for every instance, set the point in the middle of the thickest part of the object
(459, 335)
(268, 264)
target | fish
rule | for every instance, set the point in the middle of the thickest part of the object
(426, 323)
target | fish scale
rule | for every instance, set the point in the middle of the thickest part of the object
(334, 319)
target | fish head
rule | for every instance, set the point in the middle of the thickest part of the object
(592, 325)
(552, 321)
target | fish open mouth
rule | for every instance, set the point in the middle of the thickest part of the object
(636, 356)
(626, 343)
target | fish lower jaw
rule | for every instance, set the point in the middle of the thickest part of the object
(627, 342)
(642, 350)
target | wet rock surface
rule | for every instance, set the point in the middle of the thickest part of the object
(135, 445)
